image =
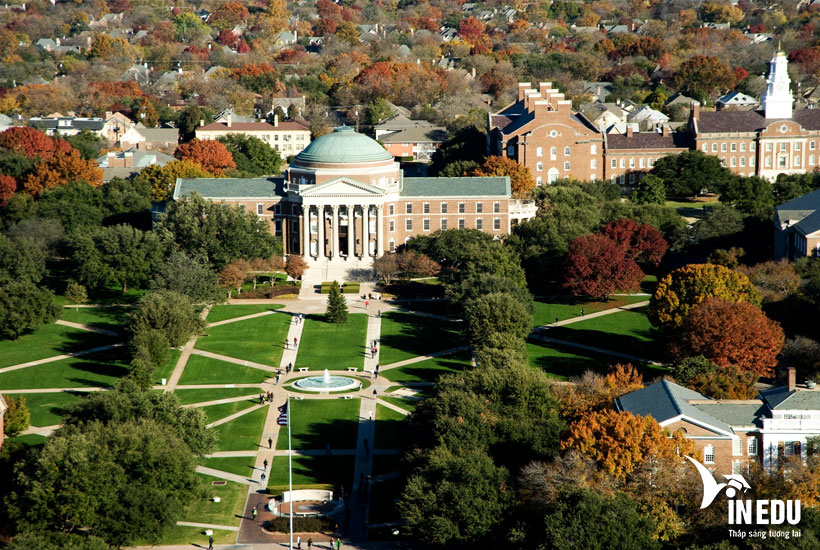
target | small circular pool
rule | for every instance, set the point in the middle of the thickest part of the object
(327, 383)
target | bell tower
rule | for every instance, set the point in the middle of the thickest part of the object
(778, 99)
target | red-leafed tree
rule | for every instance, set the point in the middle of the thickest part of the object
(227, 38)
(210, 154)
(521, 180)
(28, 141)
(471, 30)
(231, 13)
(730, 333)
(597, 266)
(8, 185)
(642, 242)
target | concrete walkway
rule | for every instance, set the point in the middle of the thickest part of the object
(207, 526)
(45, 431)
(243, 318)
(59, 358)
(374, 331)
(219, 401)
(359, 499)
(231, 454)
(421, 358)
(636, 305)
(234, 360)
(183, 357)
(89, 328)
(226, 475)
(601, 351)
(391, 406)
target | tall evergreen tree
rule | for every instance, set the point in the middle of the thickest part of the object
(336, 305)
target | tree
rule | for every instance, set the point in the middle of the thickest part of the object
(727, 258)
(721, 224)
(87, 143)
(730, 333)
(29, 142)
(650, 190)
(162, 179)
(8, 185)
(458, 168)
(641, 242)
(682, 289)
(689, 368)
(21, 259)
(17, 418)
(170, 313)
(252, 156)
(593, 392)
(24, 308)
(773, 280)
(493, 314)
(76, 294)
(188, 120)
(149, 348)
(63, 168)
(726, 383)
(192, 277)
(295, 266)
(703, 76)
(212, 155)
(234, 275)
(597, 266)
(582, 518)
(752, 196)
(387, 267)
(378, 110)
(620, 441)
(336, 305)
(31, 540)
(468, 144)
(690, 172)
(521, 180)
(117, 255)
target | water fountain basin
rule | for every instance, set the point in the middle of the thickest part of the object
(328, 383)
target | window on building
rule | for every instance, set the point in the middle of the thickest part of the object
(723, 147)
(752, 146)
(743, 161)
(444, 223)
(737, 467)
(539, 151)
(782, 146)
(479, 207)
(510, 151)
(539, 167)
(425, 224)
(622, 179)
(811, 146)
(733, 147)
(651, 162)
(392, 209)
(260, 208)
(539, 180)
(444, 208)
(392, 245)
(751, 446)
(461, 223)
(426, 208)
(479, 223)
(553, 153)
(797, 161)
(705, 147)
(392, 225)
(798, 146)
(462, 208)
(566, 151)
(277, 209)
(737, 446)
(496, 207)
(408, 208)
(632, 162)
(496, 223)
(709, 454)
(593, 164)
(566, 165)
(593, 149)
(811, 160)
(742, 147)
(614, 163)
(789, 448)
(781, 161)
(631, 179)
(714, 147)
(723, 161)
(751, 161)
(768, 162)
(732, 162)
(641, 163)
(623, 162)
(768, 147)
(408, 224)
(593, 177)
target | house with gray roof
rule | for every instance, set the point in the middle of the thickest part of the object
(128, 163)
(737, 101)
(67, 125)
(797, 227)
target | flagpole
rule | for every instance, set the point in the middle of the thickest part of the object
(290, 472)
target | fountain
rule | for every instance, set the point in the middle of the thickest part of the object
(326, 382)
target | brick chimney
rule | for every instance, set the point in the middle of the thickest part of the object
(665, 130)
(629, 132)
(202, 122)
(694, 110)
(522, 86)
(275, 120)
(792, 378)
(229, 119)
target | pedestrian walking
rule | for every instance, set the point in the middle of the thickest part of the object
(299, 543)
(372, 353)
(295, 342)
(287, 343)
(380, 313)
(263, 481)
(210, 543)
(582, 312)
(556, 320)
(277, 378)
(270, 443)
(374, 393)
(310, 544)
(338, 544)
(375, 351)
(261, 398)
(332, 542)
(377, 369)
(253, 513)
(366, 304)
(265, 464)
(370, 414)
(290, 367)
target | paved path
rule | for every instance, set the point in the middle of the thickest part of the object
(374, 331)
(89, 328)
(580, 318)
(602, 351)
(183, 357)
(234, 360)
(359, 499)
(233, 416)
(231, 454)
(225, 475)
(421, 358)
(243, 318)
(396, 408)
(220, 401)
(59, 357)
(45, 431)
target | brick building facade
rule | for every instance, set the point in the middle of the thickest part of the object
(3, 408)
(289, 138)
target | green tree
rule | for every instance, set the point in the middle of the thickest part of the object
(218, 232)
(336, 305)
(253, 157)
(24, 308)
(17, 418)
(752, 196)
(75, 205)
(76, 294)
(115, 255)
(496, 313)
(150, 349)
(650, 190)
(192, 277)
(87, 143)
(469, 144)
(378, 110)
(691, 367)
(458, 168)
(21, 259)
(31, 540)
(720, 223)
(170, 313)
(127, 201)
(162, 179)
(689, 173)
(188, 120)
(188, 27)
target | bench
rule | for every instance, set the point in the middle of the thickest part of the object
(347, 397)
(303, 369)
(352, 369)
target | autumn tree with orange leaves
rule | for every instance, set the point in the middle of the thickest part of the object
(60, 169)
(619, 442)
(521, 180)
(31, 142)
(593, 391)
(8, 185)
(212, 155)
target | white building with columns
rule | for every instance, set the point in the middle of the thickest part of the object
(344, 201)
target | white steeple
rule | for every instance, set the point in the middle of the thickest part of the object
(778, 98)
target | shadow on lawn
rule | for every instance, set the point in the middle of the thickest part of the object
(621, 343)
(427, 374)
(421, 335)
(112, 366)
(340, 433)
(79, 340)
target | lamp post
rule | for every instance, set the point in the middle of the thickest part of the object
(290, 473)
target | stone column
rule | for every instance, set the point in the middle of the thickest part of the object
(321, 235)
(334, 232)
(365, 230)
(350, 241)
(285, 240)
(306, 231)
(379, 230)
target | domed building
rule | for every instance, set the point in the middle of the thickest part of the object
(345, 201)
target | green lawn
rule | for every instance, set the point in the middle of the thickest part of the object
(406, 335)
(239, 465)
(333, 346)
(691, 209)
(226, 512)
(47, 409)
(547, 309)
(428, 370)
(111, 318)
(205, 370)
(224, 312)
(437, 307)
(223, 410)
(312, 470)
(98, 369)
(390, 429)
(406, 404)
(29, 440)
(315, 423)
(562, 362)
(179, 535)
(384, 464)
(261, 339)
(624, 332)
(242, 434)
(167, 369)
(186, 397)
(49, 341)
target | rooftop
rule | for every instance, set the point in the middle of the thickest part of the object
(344, 146)
(231, 188)
(461, 187)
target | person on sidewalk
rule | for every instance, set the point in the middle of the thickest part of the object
(299, 543)
(210, 543)
(310, 544)
(270, 443)
(253, 513)
(265, 464)
(370, 414)
(295, 342)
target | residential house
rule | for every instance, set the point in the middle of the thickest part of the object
(128, 163)
(648, 118)
(7, 122)
(602, 115)
(67, 125)
(289, 138)
(736, 101)
(116, 124)
(797, 227)
(414, 143)
(598, 90)
(150, 139)
(286, 38)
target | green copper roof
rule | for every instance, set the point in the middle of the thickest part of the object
(457, 187)
(230, 188)
(344, 145)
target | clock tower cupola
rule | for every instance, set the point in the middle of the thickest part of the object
(778, 99)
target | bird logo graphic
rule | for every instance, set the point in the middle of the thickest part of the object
(711, 488)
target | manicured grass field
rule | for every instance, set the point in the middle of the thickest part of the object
(111, 318)
(389, 429)
(333, 346)
(405, 335)
(47, 409)
(384, 464)
(98, 369)
(312, 470)
(204, 370)
(261, 339)
(693, 209)
(315, 423)
(547, 309)
(428, 370)
(224, 410)
(406, 404)
(29, 440)
(242, 434)
(562, 362)
(226, 512)
(239, 465)
(167, 369)
(179, 535)
(49, 341)
(624, 332)
(187, 397)
(225, 312)
(437, 307)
